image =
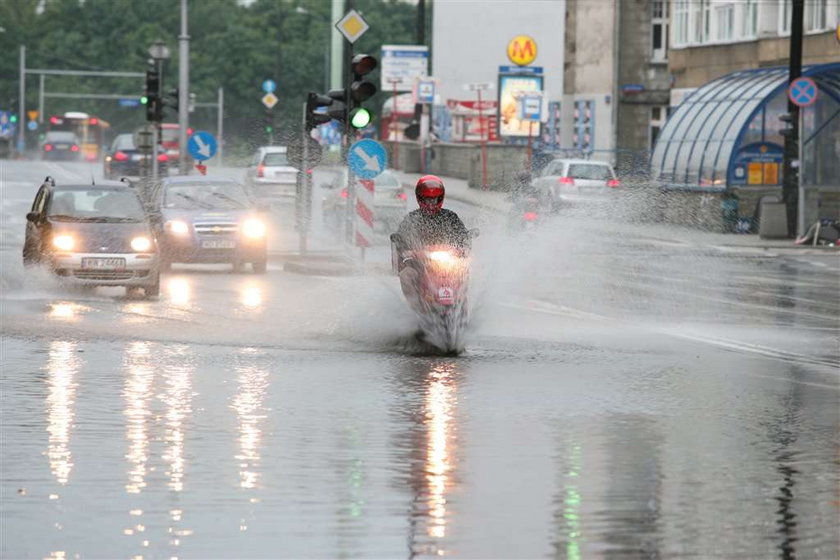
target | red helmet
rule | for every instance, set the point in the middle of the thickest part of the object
(430, 193)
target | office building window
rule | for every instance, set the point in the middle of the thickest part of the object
(816, 15)
(749, 19)
(659, 30)
(724, 21)
(784, 17)
(681, 19)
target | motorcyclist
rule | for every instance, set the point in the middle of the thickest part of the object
(430, 224)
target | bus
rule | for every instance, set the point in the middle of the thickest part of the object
(90, 130)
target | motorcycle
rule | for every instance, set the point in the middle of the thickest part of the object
(435, 282)
(527, 211)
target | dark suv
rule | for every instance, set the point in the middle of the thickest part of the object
(123, 159)
(206, 219)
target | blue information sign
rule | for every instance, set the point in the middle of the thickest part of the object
(201, 145)
(521, 70)
(129, 102)
(367, 158)
(269, 86)
(803, 92)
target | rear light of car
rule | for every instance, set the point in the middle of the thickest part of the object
(402, 196)
(261, 170)
(74, 148)
(309, 172)
(344, 193)
(613, 183)
(162, 158)
(531, 216)
(566, 181)
(121, 156)
(48, 147)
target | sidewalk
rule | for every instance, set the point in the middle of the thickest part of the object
(458, 189)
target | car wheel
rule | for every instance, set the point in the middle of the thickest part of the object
(153, 290)
(260, 266)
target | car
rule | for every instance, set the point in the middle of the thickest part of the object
(123, 159)
(170, 144)
(95, 235)
(575, 180)
(207, 219)
(270, 175)
(61, 145)
(390, 201)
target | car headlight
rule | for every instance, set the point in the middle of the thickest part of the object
(64, 242)
(141, 244)
(178, 227)
(253, 228)
(443, 257)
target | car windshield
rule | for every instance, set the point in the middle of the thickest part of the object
(169, 134)
(590, 171)
(207, 196)
(387, 181)
(123, 142)
(96, 205)
(60, 136)
(276, 159)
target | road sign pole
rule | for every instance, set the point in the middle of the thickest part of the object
(396, 143)
(790, 178)
(484, 185)
(22, 101)
(530, 135)
(303, 174)
(155, 152)
(800, 229)
(184, 91)
(220, 111)
(41, 99)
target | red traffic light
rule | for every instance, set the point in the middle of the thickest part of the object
(362, 64)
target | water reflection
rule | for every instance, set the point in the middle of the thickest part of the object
(137, 394)
(179, 290)
(66, 311)
(568, 503)
(432, 392)
(251, 297)
(178, 401)
(248, 403)
(63, 365)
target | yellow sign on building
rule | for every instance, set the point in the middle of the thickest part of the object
(522, 50)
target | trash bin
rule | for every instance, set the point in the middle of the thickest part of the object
(772, 219)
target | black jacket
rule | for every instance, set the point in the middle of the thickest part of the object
(419, 229)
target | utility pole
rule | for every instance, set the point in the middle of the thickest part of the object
(792, 163)
(22, 102)
(184, 91)
(220, 103)
(421, 22)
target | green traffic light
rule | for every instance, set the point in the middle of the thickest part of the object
(269, 128)
(13, 118)
(360, 118)
(144, 100)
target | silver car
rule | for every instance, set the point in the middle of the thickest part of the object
(270, 175)
(576, 180)
(389, 200)
(96, 235)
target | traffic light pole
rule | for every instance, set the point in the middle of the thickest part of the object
(792, 165)
(184, 93)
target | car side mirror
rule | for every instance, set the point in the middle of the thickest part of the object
(32, 217)
(474, 232)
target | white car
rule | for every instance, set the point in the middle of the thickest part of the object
(575, 180)
(269, 174)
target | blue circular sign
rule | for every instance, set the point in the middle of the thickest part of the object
(32, 125)
(202, 145)
(269, 86)
(367, 158)
(803, 92)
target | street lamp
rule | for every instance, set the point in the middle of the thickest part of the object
(159, 50)
(304, 11)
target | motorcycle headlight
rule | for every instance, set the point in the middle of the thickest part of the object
(178, 227)
(141, 244)
(253, 228)
(442, 257)
(64, 242)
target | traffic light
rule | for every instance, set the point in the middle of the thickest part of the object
(171, 99)
(13, 119)
(789, 128)
(360, 90)
(154, 109)
(315, 101)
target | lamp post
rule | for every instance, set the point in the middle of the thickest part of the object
(159, 52)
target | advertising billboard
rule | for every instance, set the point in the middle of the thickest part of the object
(511, 88)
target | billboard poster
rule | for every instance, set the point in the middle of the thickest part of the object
(511, 87)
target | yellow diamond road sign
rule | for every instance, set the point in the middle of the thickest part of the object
(352, 26)
(269, 100)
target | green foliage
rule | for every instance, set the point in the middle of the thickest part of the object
(233, 44)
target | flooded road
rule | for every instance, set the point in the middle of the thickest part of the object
(620, 396)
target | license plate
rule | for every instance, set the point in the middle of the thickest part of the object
(96, 263)
(218, 244)
(136, 157)
(59, 147)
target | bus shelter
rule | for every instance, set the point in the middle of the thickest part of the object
(726, 136)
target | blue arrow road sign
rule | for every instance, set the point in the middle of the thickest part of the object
(367, 158)
(803, 92)
(269, 86)
(202, 145)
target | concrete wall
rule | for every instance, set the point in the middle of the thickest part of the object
(470, 39)
(696, 66)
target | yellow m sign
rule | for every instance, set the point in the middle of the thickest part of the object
(522, 50)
